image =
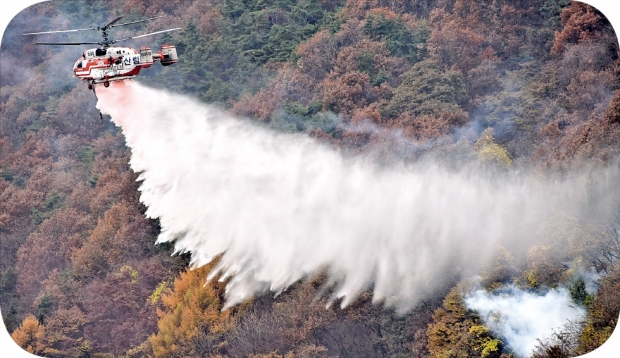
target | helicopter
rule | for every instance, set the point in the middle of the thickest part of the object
(108, 63)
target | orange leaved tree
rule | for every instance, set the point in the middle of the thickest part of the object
(192, 322)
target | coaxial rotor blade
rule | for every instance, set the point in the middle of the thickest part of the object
(152, 33)
(109, 24)
(135, 22)
(67, 43)
(58, 31)
(94, 28)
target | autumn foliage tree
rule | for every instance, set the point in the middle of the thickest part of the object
(49, 248)
(30, 335)
(603, 317)
(117, 306)
(459, 332)
(191, 321)
(581, 23)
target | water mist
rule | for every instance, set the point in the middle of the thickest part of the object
(281, 207)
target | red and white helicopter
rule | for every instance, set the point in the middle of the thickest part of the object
(111, 63)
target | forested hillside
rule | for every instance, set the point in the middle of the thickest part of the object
(498, 86)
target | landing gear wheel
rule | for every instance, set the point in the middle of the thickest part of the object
(106, 84)
(90, 86)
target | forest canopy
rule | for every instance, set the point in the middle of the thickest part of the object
(505, 84)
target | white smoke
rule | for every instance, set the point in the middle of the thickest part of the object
(281, 207)
(522, 317)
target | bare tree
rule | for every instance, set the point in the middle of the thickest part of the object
(562, 342)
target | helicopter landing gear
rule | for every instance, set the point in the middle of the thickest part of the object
(106, 84)
(91, 86)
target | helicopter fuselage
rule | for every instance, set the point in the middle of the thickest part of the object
(99, 65)
(102, 65)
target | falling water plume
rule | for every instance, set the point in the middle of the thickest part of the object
(280, 207)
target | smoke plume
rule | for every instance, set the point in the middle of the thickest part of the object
(522, 317)
(279, 207)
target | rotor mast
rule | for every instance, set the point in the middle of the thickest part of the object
(106, 42)
(104, 31)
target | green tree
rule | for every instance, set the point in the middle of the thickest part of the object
(426, 89)
(385, 26)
